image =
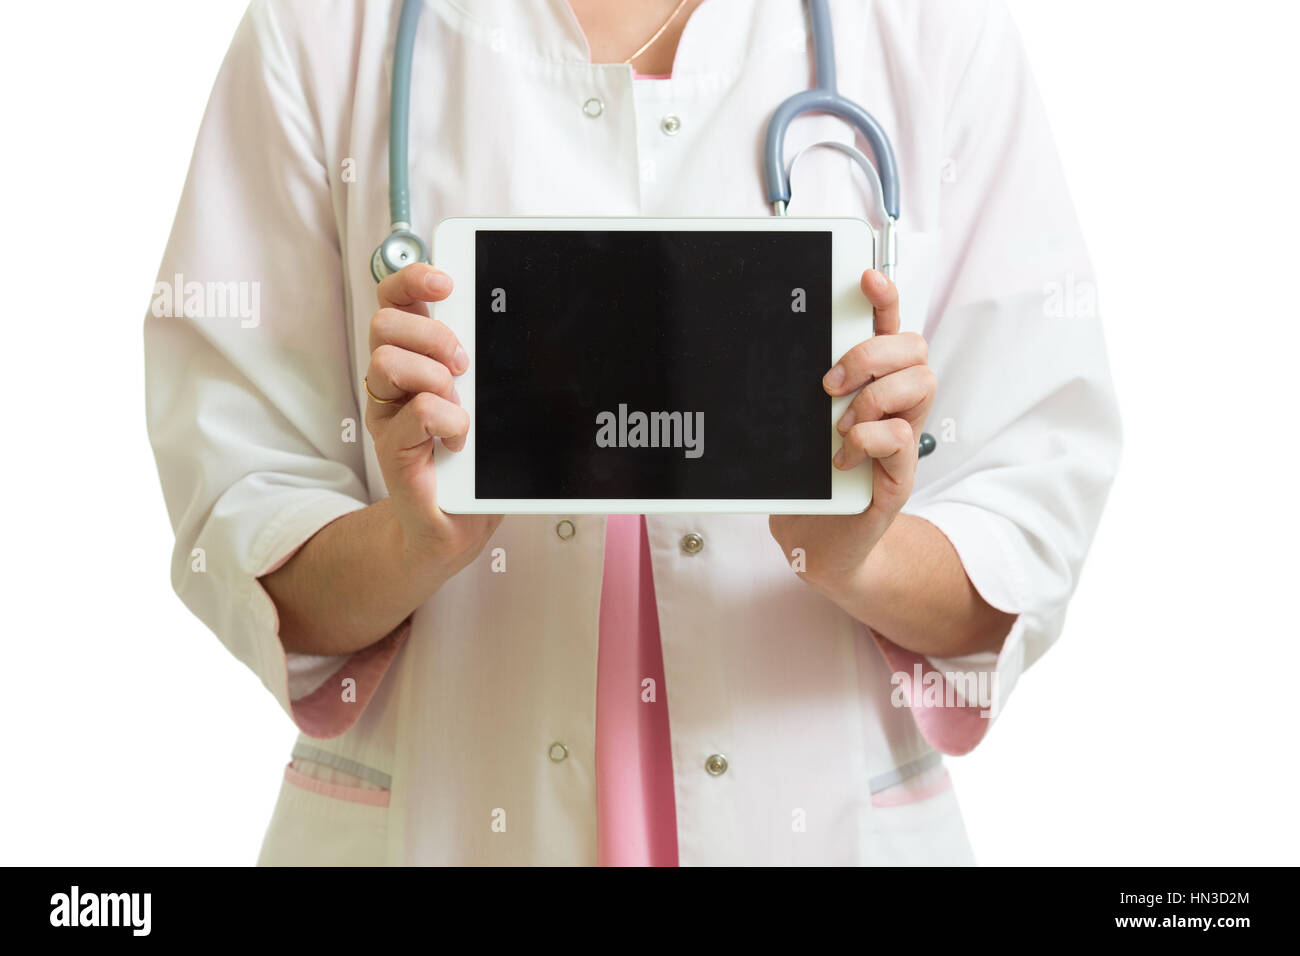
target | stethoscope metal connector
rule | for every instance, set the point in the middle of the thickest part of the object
(399, 250)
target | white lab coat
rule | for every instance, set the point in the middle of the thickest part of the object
(256, 420)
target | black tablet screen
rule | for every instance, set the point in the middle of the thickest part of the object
(664, 365)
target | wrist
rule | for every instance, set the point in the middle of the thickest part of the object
(422, 555)
(858, 585)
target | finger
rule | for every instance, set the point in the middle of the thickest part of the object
(409, 288)
(424, 417)
(906, 394)
(395, 372)
(875, 358)
(889, 443)
(883, 296)
(418, 333)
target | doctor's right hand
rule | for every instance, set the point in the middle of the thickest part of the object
(412, 403)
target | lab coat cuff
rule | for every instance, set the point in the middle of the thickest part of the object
(325, 695)
(955, 700)
(985, 543)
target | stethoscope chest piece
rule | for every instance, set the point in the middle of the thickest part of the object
(399, 250)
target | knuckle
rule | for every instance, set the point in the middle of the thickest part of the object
(861, 356)
(379, 324)
(384, 359)
(443, 339)
(866, 406)
(383, 324)
(921, 346)
(900, 431)
(424, 405)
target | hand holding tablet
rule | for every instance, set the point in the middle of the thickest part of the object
(411, 406)
(895, 391)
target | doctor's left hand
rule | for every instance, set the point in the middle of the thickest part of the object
(414, 362)
(881, 429)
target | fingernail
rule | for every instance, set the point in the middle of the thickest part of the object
(839, 457)
(460, 359)
(879, 280)
(834, 378)
(438, 282)
(846, 420)
(455, 395)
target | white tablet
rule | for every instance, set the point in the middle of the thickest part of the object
(628, 366)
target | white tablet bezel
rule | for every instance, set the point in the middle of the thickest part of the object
(853, 245)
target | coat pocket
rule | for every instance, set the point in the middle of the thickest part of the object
(317, 823)
(917, 823)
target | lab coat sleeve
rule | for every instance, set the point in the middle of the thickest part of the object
(1026, 420)
(251, 409)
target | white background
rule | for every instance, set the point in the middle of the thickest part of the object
(1161, 729)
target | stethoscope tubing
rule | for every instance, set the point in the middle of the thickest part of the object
(824, 97)
(399, 117)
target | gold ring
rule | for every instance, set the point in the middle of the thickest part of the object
(375, 398)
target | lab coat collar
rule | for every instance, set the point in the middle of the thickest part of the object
(719, 36)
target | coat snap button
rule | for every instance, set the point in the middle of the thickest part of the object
(557, 752)
(565, 530)
(593, 107)
(692, 543)
(670, 124)
(716, 765)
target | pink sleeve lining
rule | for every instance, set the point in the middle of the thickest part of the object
(324, 713)
(952, 730)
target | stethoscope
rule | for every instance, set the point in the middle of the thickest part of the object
(403, 246)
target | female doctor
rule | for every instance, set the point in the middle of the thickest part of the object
(582, 689)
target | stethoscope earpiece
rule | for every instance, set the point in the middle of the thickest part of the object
(927, 445)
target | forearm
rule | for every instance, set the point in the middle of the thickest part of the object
(351, 584)
(913, 589)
